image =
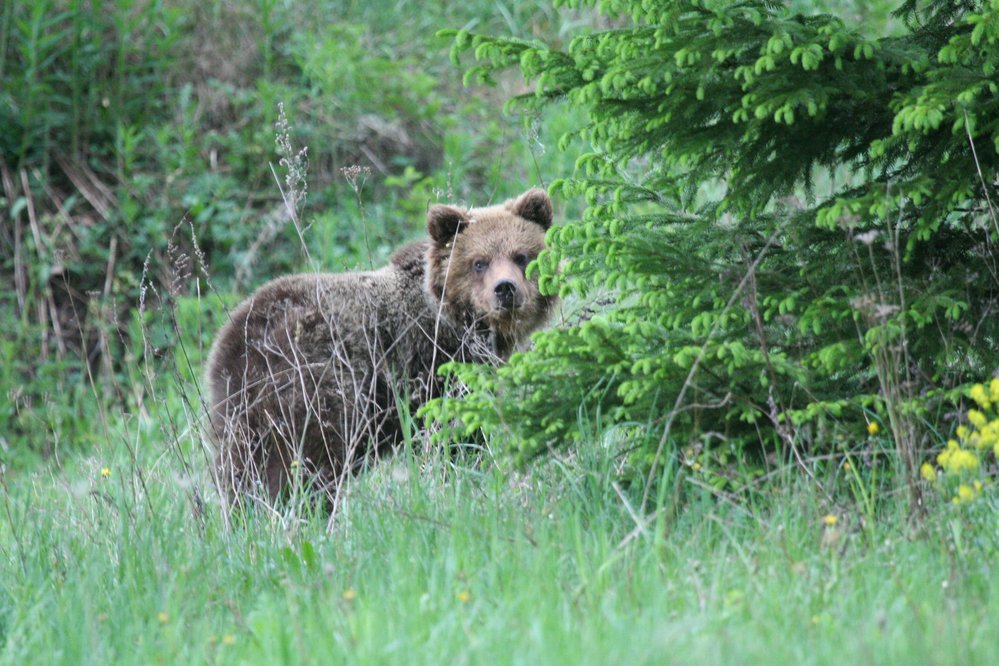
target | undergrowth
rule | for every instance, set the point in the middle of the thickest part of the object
(132, 134)
(124, 553)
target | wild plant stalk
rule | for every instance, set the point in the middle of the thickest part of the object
(295, 184)
(886, 337)
(35, 47)
(76, 79)
(355, 176)
(266, 9)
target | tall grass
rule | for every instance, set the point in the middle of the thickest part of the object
(433, 560)
(125, 554)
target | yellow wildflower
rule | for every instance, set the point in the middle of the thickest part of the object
(994, 389)
(228, 639)
(966, 493)
(696, 467)
(977, 418)
(873, 428)
(963, 432)
(163, 617)
(979, 395)
(829, 520)
(847, 466)
(105, 472)
(349, 594)
(956, 460)
(464, 596)
(928, 472)
(988, 436)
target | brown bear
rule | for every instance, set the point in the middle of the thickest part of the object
(309, 373)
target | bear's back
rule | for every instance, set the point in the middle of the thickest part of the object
(308, 319)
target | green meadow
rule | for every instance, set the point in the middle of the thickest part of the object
(160, 159)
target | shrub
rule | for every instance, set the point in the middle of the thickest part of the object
(790, 223)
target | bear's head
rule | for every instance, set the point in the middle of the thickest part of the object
(477, 261)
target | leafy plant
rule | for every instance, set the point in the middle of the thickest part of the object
(758, 294)
(963, 462)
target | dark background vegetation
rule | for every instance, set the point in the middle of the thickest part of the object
(140, 167)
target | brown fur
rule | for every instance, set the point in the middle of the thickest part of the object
(310, 369)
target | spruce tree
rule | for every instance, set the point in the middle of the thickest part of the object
(795, 220)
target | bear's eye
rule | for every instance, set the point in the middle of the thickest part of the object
(521, 260)
(479, 265)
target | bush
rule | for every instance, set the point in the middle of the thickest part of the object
(793, 220)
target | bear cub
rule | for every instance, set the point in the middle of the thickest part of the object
(309, 373)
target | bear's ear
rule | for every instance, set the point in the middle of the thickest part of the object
(446, 222)
(535, 206)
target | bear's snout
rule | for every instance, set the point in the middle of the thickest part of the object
(506, 294)
(504, 280)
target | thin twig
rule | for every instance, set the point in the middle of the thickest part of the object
(40, 252)
(290, 207)
(640, 523)
(657, 459)
(775, 411)
(978, 167)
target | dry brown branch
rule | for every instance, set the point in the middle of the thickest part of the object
(20, 276)
(89, 185)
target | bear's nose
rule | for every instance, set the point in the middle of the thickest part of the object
(506, 292)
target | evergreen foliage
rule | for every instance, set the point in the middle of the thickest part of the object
(794, 220)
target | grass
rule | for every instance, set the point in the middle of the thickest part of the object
(441, 560)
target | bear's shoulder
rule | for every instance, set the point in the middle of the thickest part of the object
(411, 260)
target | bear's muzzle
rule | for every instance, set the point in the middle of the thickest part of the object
(507, 295)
